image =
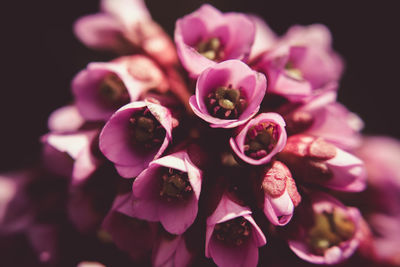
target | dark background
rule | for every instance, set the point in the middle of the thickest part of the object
(40, 55)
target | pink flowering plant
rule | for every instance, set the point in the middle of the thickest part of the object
(197, 149)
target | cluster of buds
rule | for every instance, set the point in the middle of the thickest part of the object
(203, 164)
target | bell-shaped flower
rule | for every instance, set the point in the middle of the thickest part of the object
(102, 88)
(134, 236)
(207, 36)
(171, 251)
(313, 160)
(228, 94)
(334, 234)
(232, 235)
(16, 208)
(260, 139)
(280, 194)
(168, 191)
(322, 116)
(125, 26)
(72, 154)
(135, 135)
(301, 63)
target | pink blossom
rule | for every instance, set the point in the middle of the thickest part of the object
(260, 139)
(334, 235)
(322, 116)
(314, 160)
(171, 251)
(382, 156)
(168, 191)
(228, 94)
(207, 36)
(129, 234)
(135, 135)
(72, 154)
(123, 26)
(281, 196)
(302, 63)
(232, 236)
(16, 209)
(102, 88)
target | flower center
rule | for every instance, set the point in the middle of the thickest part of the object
(293, 72)
(330, 229)
(175, 185)
(261, 139)
(226, 103)
(146, 130)
(113, 92)
(233, 232)
(211, 49)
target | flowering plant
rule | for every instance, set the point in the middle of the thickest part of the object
(225, 146)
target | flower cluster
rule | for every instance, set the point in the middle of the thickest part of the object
(241, 150)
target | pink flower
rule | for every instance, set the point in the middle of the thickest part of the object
(281, 196)
(168, 191)
(232, 236)
(324, 117)
(132, 235)
(207, 36)
(260, 139)
(123, 26)
(72, 154)
(228, 94)
(382, 156)
(334, 234)
(102, 88)
(171, 251)
(302, 63)
(311, 159)
(135, 135)
(16, 209)
(382, 199)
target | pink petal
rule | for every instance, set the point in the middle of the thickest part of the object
(99, 31)
(65, 119)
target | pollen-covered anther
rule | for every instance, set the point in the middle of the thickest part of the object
(146, 130)
(112, 91)
(226, 102)
(293, 72)
(211, 49)
(261, 139)
(330, 229)
(175, 185)
(233, 232)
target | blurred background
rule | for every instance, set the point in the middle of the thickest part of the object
(41, 56)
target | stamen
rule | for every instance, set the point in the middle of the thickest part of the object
(211, 49)
(145, 130)
(330, 229)
(261, 140)
(226, 102)
(112, 91)
(175, 185)
(293, 72)
(233, 232)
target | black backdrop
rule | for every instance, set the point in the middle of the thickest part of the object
(40, 55)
